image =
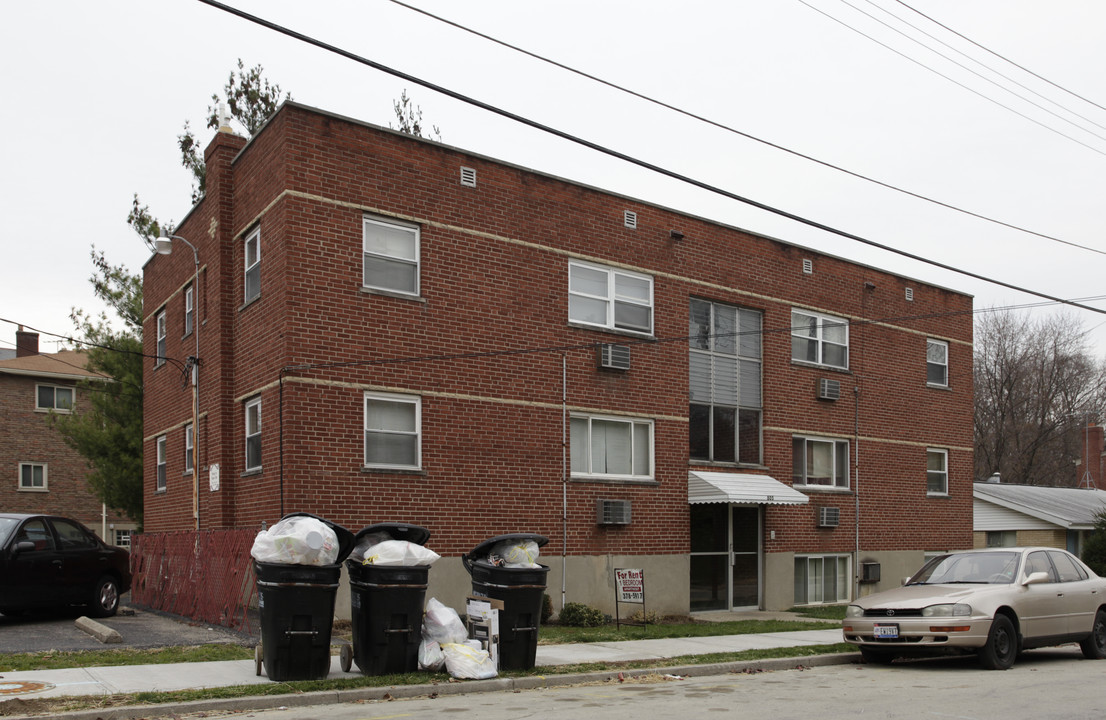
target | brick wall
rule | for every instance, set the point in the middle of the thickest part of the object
(494, 264)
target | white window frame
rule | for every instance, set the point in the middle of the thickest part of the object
(931, 347)
(44, 487)
(252, 432)
(188, 440)
(611, 299)
(819, 339)
(374, 432)
(162, 331)
(838, 446)
(189, 310)
(582, 460)
(54, 403)
(122, 537)
(162, 481)
(943, 473)
(253, 237)
(387, 258)
(844, 584)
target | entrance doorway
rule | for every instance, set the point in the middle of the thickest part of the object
(725, 557)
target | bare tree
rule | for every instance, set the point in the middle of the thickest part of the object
(1036, 386)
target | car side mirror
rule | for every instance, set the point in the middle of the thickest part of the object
(1035, 578)
(22, 546)
(905, 580)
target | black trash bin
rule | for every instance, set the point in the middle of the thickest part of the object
(296, 604)
(521, 590)
(386, 606)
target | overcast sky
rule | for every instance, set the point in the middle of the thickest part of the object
(95, 94)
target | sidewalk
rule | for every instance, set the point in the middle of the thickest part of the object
(186, 676)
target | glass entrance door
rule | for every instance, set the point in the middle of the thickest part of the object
(725, 557)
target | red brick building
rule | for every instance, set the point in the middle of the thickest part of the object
(42, 473)
(394, 329)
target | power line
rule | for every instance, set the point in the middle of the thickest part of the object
(624, 157)
(727, 128)
(1001, 57)
(951, 80)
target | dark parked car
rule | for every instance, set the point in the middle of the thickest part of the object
(48, 561)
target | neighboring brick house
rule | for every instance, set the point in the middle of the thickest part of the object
(43, 474)
(395, 329)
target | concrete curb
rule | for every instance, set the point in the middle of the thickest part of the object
(97, 630)
(532, 682)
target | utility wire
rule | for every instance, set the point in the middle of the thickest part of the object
(727, 128)
(976, 73)
(627, 158)
(1001, 57)
(951, 80)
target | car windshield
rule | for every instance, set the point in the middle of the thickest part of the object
(6, 527)
(981, 567)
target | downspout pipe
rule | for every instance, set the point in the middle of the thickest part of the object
(564, 480)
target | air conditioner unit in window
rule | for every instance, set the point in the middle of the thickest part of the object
(612, 512)
(869, 572)
(829, 517)
(614, 357)
(829, 389)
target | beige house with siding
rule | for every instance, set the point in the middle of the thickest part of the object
(1007, 515)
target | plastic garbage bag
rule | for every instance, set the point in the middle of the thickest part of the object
(297, 540)
(366, 542)
(431, 656)
(465, 662)
(399, 552)
(515, 554)
(442, 624)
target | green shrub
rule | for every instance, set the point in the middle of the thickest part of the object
(546, 608)
(580, 615)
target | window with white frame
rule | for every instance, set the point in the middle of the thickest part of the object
(162, 463)
(188, 440)
(609, 298)
(821, 462)
(393, 426)
(161, 333)
(33, 477)
(937, 472)
(123, 538)
(253, 264)
(822, 579)
(189, 310)
(937, 363)
(391, 256)
(611, 447)
(253, 434)
(54, 397)
(725, 383)
(819, 339)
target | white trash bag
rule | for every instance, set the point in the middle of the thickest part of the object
(365, 543)
(297, 540)
(431, 656)
(515, 554)
(466, 662)
(399, 553)
(442, 624)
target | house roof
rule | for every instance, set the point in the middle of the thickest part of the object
(1071, 508)
(717, 487)
(63, 365)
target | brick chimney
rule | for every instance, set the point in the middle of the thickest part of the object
(1090, 474)
(26, 343)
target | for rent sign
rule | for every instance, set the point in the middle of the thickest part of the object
(630, 585)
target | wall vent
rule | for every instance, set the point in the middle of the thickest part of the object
(614, 357)
(629, 219)
(869, 572)
(468, 177)
(808, 266)
(829, 517)
(612, 512)
(910, 294)
(829, 389)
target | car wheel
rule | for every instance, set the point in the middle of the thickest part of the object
(1002, 645)
(873, 656)
(1094, 645)
(105, 598)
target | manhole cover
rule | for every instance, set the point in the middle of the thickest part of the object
(16, 688)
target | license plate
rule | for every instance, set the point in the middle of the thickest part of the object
(885, 631)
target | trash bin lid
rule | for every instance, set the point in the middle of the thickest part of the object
(345, 537)
(481, 551)
(398, 531)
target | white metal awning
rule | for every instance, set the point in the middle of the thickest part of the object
(717, 487)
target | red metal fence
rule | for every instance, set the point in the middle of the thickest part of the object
(204, 575)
